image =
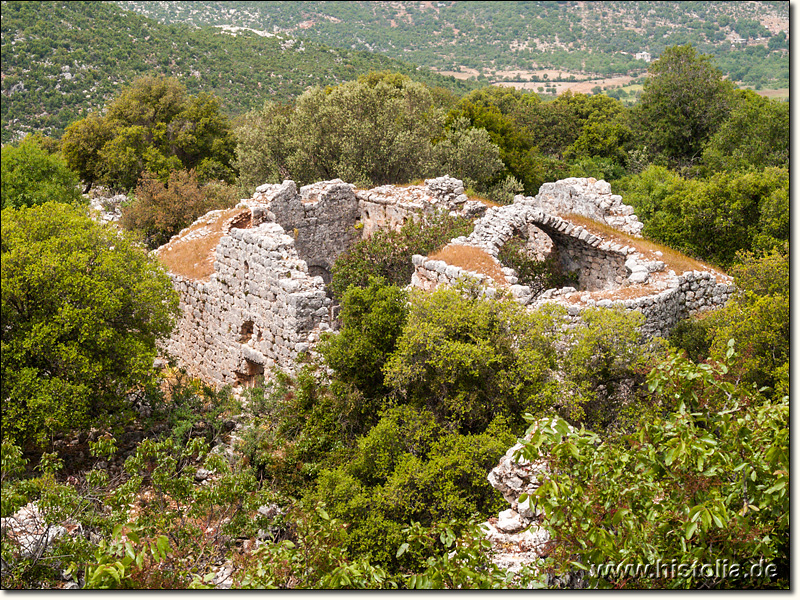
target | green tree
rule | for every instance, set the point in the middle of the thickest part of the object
(373, 131)
(756, 135)
(262, 146)
(81, 145)
(467, 153)
(32, 176)
(152, 126)
(684, 102)
(159, 211)
(758, 315)
(716, 217)
(469, 359)
(372, 320)
(82, 309)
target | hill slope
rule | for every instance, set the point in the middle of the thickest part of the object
(492, 38)
(63, 59)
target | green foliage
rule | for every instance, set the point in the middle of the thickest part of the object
(313, 559)
(409, 467)
(705, 482)
(32, 176)
(372, 320)
(154, 126)
(758, 316)
(386, 254)
(460, 561)
(82, 310)
(300, 426)
(684, 101)
(468, 359)
(539, 275)
(467, 153)
(160, 211)
(373, 131)
(716, 217)
(129, 555)
(755, 136)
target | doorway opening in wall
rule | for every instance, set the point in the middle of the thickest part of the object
(253, 372)
(320, 271)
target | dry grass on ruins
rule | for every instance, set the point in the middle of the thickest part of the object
(471, 258)
(675, 260)
(191, 254)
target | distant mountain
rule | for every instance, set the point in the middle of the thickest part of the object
(61, 60)
(492, 39)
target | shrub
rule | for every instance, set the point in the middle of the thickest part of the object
(707, 481)
(539, 275)
(160, 211)
(32, 176)
(82, 309)
(387, 254)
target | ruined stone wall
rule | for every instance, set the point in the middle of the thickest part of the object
(264, 304)
(322, 218)
(391, 206)
(587, 197)
(664, 298)
(259, 309)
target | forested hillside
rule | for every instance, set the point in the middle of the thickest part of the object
(58, 65)
(491, 39)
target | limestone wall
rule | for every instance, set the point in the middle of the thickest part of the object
(260, 308)
(263, 304)
(321, 217)
(622, 274)
(587, 197)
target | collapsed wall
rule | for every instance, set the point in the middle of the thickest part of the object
(252, 280)
(610, 270)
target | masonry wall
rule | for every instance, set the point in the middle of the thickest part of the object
(321, 217)
(259, 309)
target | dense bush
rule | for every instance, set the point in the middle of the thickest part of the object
(83, 308)
(716, 217)
(31, 175)
(757, 316)
(409, 467)
(706, 481)
(387, 254)
(372, 320)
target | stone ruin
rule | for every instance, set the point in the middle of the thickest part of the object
(252, 280)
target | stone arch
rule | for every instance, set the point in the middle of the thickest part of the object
(579, 252)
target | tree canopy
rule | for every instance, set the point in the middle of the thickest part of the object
(684, 101)
(82, 309)
(33, 176)
(153, 126)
